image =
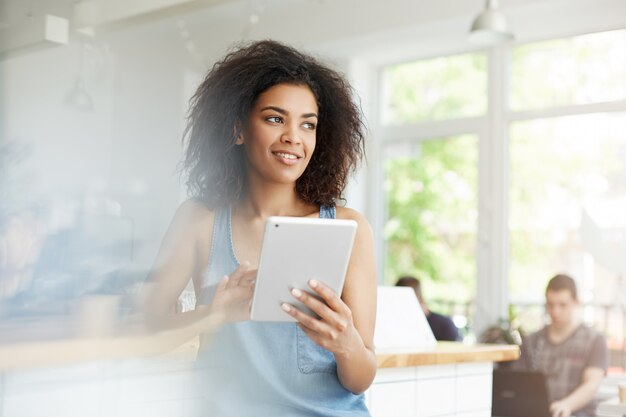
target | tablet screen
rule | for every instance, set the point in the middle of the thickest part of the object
(295, 250)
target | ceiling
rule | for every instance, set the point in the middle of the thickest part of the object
(215, 24)
(311, 19)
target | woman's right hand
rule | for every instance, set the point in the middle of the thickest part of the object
(233, 295)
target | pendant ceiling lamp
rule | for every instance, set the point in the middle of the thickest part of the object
(490, 27)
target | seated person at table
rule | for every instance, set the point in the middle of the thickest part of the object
(443, 327)
(571, 355)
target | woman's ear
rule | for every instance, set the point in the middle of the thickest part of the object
(239, 134)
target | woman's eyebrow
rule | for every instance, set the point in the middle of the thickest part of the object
(286, 113)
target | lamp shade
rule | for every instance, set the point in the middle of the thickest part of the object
(490, 28)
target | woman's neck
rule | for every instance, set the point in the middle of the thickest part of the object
(272, 200)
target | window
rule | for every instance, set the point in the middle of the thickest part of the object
(579, 70)
(435, 89)
(567, 191)
(562, 168)
(430, 232)
(558, 140)
(431, 183)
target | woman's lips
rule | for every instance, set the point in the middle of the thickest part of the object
(286, 158)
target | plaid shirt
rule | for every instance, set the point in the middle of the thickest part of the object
(564, 363)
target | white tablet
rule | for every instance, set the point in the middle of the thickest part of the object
(295, 250)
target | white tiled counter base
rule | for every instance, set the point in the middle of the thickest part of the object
(166, 389)
(459, 390)
(132, 388)
(140, 375)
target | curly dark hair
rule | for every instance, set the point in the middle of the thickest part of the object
(220, 108)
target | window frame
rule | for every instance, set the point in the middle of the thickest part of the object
(492, 129)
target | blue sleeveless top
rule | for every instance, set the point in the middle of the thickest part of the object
(264, 368)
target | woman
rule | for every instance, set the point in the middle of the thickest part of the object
(271, 132)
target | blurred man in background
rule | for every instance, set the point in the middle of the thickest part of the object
(443, 327)
(572, 356)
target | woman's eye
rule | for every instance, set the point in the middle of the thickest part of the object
(309, 125)
(274, 119)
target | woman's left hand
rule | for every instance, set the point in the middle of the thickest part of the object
(334, 329)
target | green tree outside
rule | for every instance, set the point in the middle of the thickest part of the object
(432, 215)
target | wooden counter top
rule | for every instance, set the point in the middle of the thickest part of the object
(133, 341)
(448, 353)
(184, 342)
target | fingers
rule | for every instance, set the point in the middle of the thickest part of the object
(313, 335)
(234, 302)
(306, 320)
(327, 294)
(240, 294)
(249, 278)
(323, 333)
(239, 285)
(237, 305)
(334, 313)
(221, 286)
(243, 275)
(330, 316)
(236, 275)
(331, 298)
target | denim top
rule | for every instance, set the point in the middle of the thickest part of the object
(266, 368)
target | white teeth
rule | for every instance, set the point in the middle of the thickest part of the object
(285, 155)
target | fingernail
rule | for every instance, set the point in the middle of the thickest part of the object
(313, 283)
(285, 307)
(296, 292)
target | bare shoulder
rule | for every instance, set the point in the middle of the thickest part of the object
(351, 214)
(193, 218)
(193, 208)
(193, 211)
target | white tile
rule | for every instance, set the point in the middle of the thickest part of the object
(435, 397)
(473, 392)
(474, 368)
(394, 399)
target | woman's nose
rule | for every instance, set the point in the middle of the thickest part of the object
(290, 135)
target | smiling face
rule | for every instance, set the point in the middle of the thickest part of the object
(279, 138)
